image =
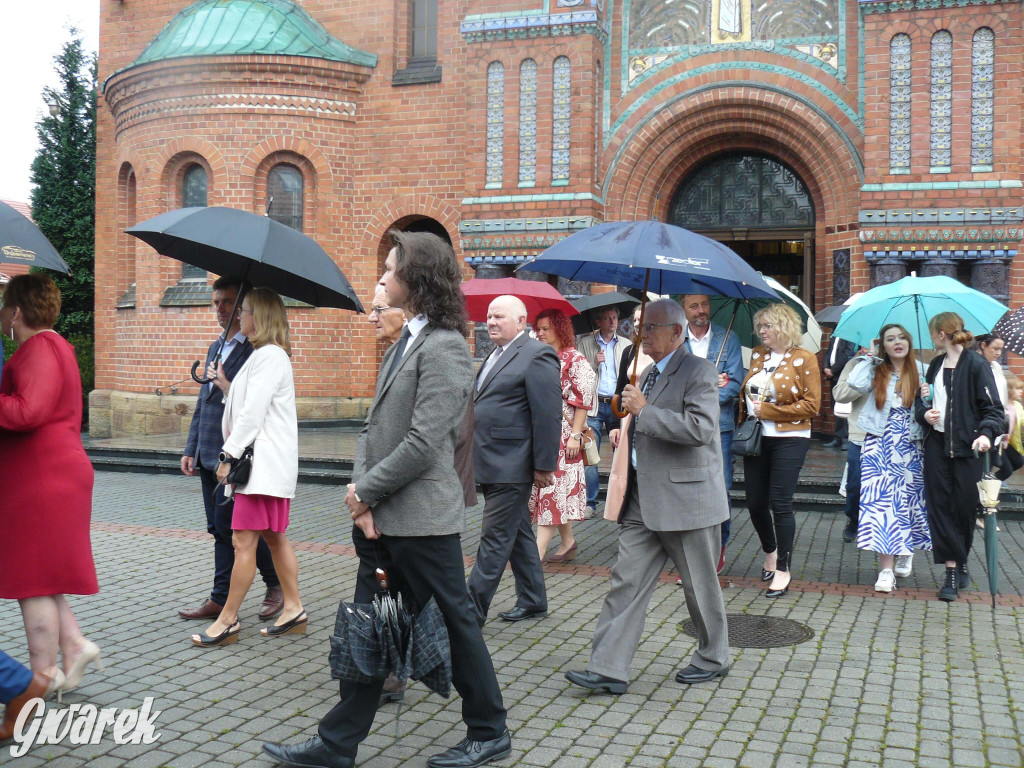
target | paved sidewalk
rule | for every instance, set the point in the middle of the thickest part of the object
(895, 681)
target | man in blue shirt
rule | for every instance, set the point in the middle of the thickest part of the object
(722, 348)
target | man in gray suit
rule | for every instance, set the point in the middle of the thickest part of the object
(408, 508)
(675, 504)
(518, 412)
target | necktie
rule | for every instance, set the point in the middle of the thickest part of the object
(651, 380)
(487, 366)
(400, 350)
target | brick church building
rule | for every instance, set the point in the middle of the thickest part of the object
(834, 144)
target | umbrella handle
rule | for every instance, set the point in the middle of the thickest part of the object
(196, 377)
(617, 399)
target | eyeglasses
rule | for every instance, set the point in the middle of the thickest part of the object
(380, 310)
(243, 311)
(649, 327)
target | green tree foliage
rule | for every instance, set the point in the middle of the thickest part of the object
(64, 172)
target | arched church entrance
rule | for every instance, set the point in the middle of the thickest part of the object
(757, 206)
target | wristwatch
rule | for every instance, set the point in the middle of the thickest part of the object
(224, 458)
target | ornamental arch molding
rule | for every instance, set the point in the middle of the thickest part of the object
(181, 152)
(405, 209)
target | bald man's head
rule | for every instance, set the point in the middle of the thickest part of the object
(506, 318)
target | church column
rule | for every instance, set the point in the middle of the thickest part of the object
(887, 270)
(937, 267)
(992, 276)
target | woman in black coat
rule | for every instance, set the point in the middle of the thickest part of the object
(963, 415)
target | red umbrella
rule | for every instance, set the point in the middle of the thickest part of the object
(537, 296)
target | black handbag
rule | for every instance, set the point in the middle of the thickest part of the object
(241, 468)
(746, 440)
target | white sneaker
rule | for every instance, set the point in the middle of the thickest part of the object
(904, 565)
(886, 581)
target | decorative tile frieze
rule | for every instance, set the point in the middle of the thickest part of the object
(982, 93)
(561, 122)
(528, 121)
(920, 254)
(941, 136)
(962, 234)
(899, 103)
(894, 6)
(477, 29)
(915, 217)
(539, 224)
(495, 122)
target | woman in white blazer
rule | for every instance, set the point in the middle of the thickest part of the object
(259, 411)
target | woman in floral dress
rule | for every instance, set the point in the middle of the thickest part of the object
(557, 506)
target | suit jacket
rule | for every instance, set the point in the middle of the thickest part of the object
(587, 346)
(679, 448)
(405, 458)
(627, 367)
(464, 457)
(845, 350)
(260, 410)
(731, 363)
(518, 414)
(205, 437)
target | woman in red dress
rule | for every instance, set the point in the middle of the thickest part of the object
(46, 501)
(557, 506)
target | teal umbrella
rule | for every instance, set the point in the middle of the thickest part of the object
(912, 302)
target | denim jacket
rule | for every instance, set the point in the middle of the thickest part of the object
(872, 418)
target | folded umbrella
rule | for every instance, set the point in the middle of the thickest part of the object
(535, 294)
(22, 242)
(988, 494)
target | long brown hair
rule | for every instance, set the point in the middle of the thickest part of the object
(908, 386)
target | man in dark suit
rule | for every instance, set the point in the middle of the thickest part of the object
(408, 507)
(202, 452)
(675, 504)
(518, 415)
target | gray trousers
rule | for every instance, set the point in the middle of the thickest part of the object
(507, 537)
(642, 556)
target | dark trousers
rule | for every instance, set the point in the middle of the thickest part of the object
(421, 567)
(14, 678)
(770, 480)
(853, 484)
(951, 499)
(1008, 463)
(218, 523)
(507, 537)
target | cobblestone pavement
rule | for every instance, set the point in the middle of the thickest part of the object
(894, 681)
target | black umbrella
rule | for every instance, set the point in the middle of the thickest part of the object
(589, 305)
(21, 242)
(374, 640)
(227, 241)
(1010, 329)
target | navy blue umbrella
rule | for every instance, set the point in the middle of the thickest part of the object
(651, 256)
(21, 242)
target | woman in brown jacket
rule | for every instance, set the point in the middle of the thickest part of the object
(783, 389)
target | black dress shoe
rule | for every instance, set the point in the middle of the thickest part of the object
(469, 754)
(518, 614)
(595, 682)
(692, 674)
(309, 754)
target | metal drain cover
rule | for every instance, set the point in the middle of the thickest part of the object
(759, 631)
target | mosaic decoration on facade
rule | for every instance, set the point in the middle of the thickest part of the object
(480, 28)
(561, 124)
(748, 191)
(840, 275)
(899, 104)
(659, 31)
(528, 122)
(895, 6)
(941, 140)
(982, 97)
(495, 122)
(598, 97)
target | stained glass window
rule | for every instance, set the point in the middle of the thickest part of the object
(561, 122)
(193, 195)
(284, 186)
(942, 99)
(982, 92)
(495, 122)
(528, 122)
(899, 103)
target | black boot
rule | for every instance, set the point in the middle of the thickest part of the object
(963, 578)
(948, 592)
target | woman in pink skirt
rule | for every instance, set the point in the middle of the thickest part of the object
(259, 412)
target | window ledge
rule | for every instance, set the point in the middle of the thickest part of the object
(188, 293)
(127, 300)
(418, 73)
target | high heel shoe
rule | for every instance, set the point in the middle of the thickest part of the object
(56, 685)
(296, 626)
(228, 636)
(767, 575)
(779, 592)
(90, 653)
(569, 554)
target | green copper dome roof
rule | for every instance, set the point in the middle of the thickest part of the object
(232, 27)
